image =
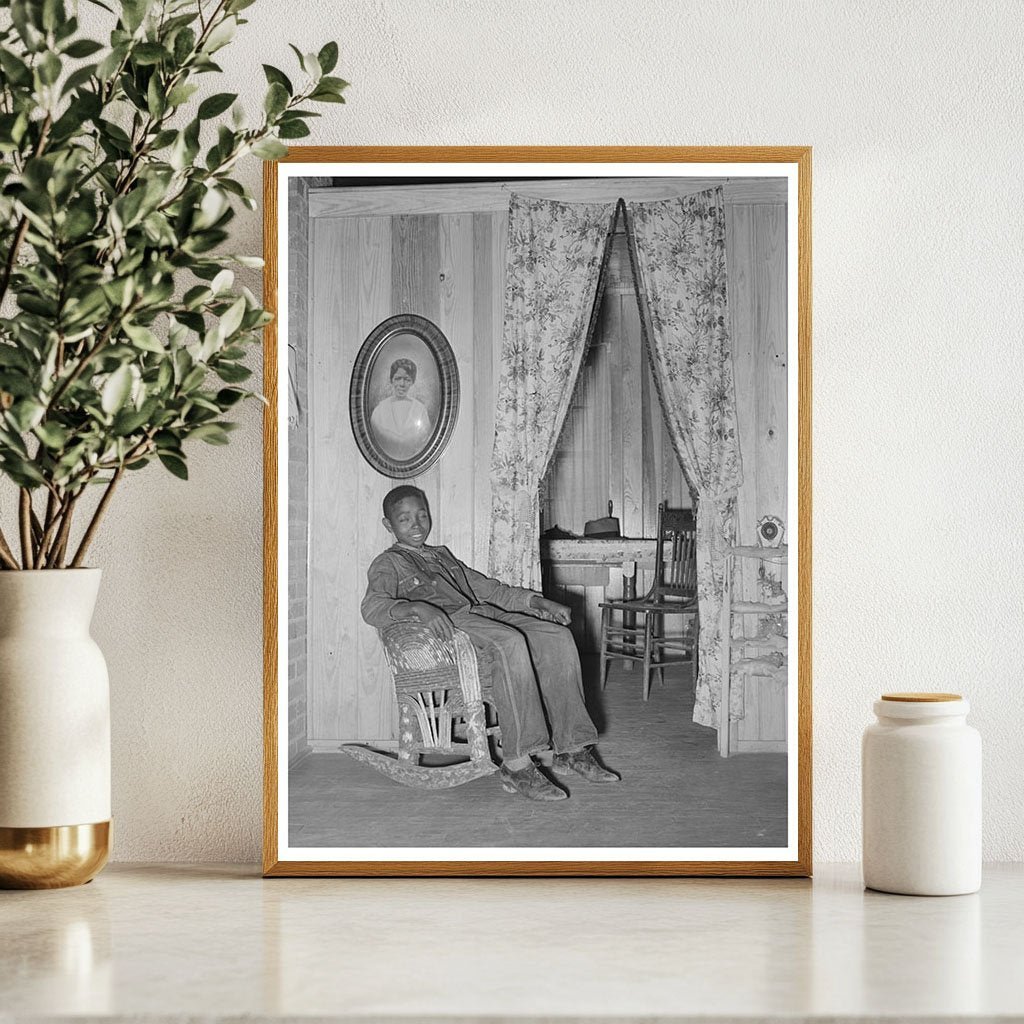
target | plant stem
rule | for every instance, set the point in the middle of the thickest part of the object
(56, 557)
(54, 508)
(97, 516)
(25, 522)
(6, 555)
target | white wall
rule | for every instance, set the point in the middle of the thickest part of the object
(914, 113)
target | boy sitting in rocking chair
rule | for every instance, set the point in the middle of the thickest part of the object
(536, 664)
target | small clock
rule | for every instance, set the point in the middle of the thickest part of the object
(770, 531)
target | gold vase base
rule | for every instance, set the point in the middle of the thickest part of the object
(54, 857)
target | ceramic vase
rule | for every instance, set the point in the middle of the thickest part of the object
(922, 796)
(54, 731)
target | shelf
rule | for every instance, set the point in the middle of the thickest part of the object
(758, 608)
(779, 554)
(215, 943)
(762, 643)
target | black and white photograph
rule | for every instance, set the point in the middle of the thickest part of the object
(539, 555)
(404, 395)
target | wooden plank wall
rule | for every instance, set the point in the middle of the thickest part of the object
(450, 269)
(756, 239)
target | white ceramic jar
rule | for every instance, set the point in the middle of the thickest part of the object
(921, 779)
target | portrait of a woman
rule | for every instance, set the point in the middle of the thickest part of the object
(401, 422)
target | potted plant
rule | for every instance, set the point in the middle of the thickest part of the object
(122, 344)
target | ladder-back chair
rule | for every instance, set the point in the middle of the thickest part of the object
(640, 634)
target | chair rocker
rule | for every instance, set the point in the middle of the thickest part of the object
(437, 686)
(640, 633)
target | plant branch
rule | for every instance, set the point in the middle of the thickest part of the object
(6, 554)
(51, 528)
(25, 522)
(94, 523)
(56, 557)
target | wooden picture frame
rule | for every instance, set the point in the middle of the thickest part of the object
(410, 349)
(364, 173)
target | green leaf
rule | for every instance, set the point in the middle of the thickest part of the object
(21, 471)
(328, 58)
(109, 65)
(223, 280)
(156, 100)
(211, 433)
(12, 356)
(181, 94)
(216, 104)
(133, 12)
(53, 14)
(326, 96)
(26, 414)
(293, 130)
(163, 139)
(149, 53)
(83, 48)
(184, 44)
(77, 79)
(196, 296)
(221, 35)
(276, 77)
(26, 20)
(14, 68)
(116, 390)
(232, 319)
(311, 66)
(174, 464)
(53, 435)
(49, 68)
(144, 338)
(193, 379)
(232, 373)
(276, 99)
(334, 84)
(128, 421)
(269, 149)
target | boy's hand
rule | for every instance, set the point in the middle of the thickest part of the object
(551, 610)
(433, 618)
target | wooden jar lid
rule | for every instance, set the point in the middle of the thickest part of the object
(921, 698)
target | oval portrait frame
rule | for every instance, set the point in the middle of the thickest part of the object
(360, 410)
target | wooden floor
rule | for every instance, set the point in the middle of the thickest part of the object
(675, 791)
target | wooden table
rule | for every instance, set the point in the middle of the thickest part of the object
(578, 570)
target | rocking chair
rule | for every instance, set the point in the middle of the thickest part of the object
(437, 685)
(641, 635)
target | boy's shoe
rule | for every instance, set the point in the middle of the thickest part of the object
(582, 762)
(531, 783)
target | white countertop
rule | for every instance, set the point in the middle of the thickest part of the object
(216, 941)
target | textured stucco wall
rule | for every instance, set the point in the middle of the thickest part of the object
(913, 110)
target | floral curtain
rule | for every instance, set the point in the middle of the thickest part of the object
(678, 249)
(555, 253)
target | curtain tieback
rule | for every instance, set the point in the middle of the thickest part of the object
(730, 492)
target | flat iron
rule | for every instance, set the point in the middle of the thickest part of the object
(606, 527)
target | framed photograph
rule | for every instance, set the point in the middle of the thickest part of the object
(538, 598)
(404, 397)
